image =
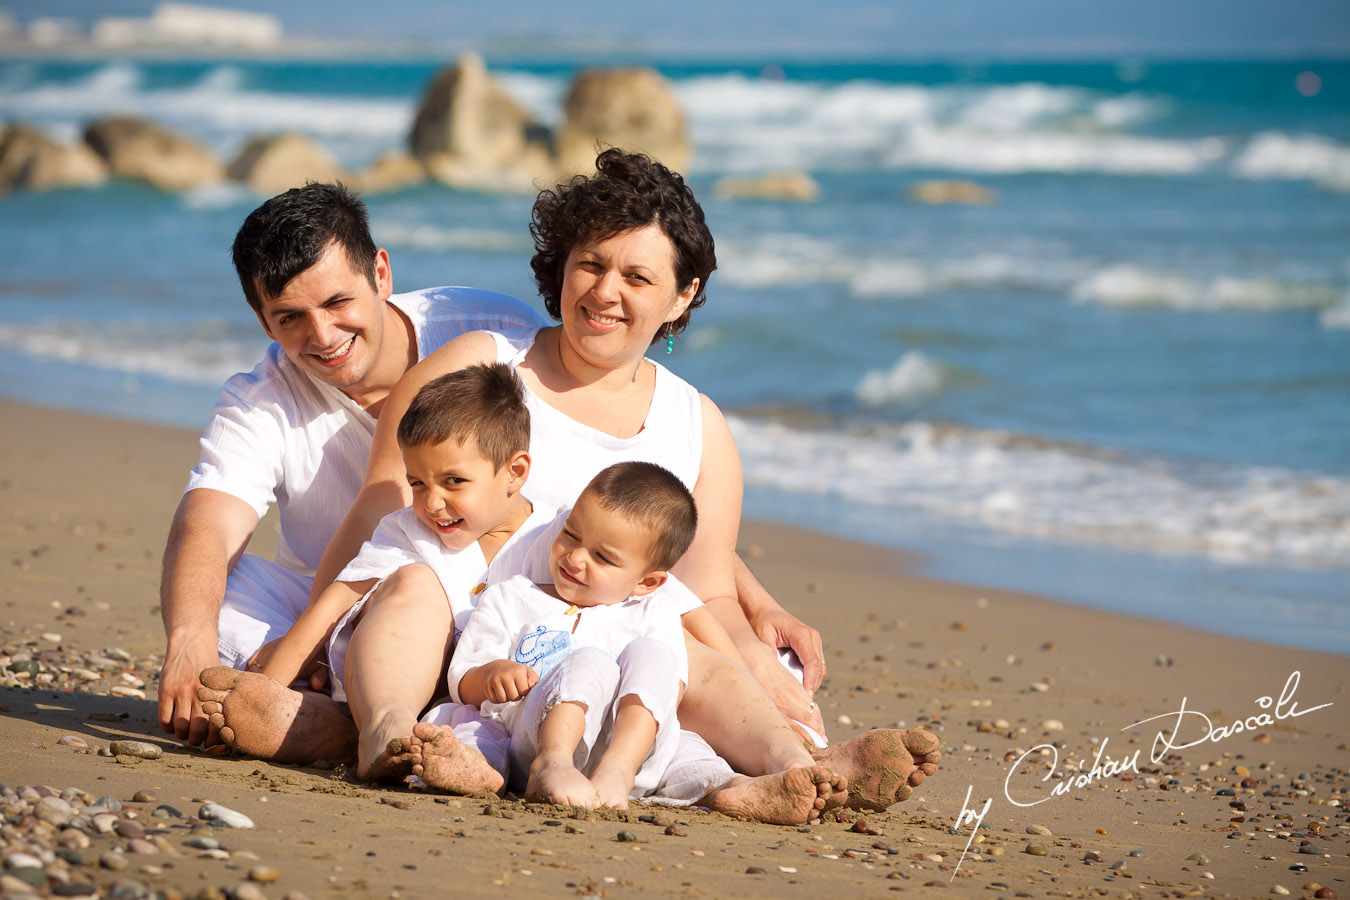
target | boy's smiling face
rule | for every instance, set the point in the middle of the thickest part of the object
(457, 492)
(601, 557)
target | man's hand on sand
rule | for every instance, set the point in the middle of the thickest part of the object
(180, 712)
(779, 628)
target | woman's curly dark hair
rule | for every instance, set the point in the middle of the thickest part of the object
(627, 191)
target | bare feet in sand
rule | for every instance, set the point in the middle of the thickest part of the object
(385, 750)
(882, 766)
(556, 780)
(611, 786)
(264, 718)
(446, 764)
(788, 798)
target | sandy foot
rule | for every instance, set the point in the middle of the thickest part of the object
(883, 766)
(446, 764)
(264, 718)
(381, 757)
(556, 780)
(788, 798)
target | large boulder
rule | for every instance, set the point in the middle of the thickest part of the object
(277, 163)
(789, 185)
(468, 129)
(143, 151)
(31, 160)
(633, 109)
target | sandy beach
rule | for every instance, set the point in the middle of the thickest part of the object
(1037, 702)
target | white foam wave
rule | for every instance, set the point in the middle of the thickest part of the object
(1274, 154)
(208, 353)
(1059, 491)
(1336, 318)
(913, 377)
(411, 236)
(1133, 285)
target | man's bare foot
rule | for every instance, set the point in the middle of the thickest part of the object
(264, 718)
(556, 780)
(788, 798)
(882, 766)
(446, 764)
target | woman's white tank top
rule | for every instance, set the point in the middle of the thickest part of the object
(565, 454)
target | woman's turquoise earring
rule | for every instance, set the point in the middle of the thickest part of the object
(670, 341)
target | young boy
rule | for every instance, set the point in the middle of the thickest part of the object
(586, 672)
(465, 442)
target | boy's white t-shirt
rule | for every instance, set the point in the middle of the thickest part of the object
(278, 435)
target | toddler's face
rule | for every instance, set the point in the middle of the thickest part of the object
(600, 557)
(457, 492)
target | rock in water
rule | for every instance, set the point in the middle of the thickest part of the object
(143, 151)
(632, 109)
(277, 163)
(30, 159)
(223, 815)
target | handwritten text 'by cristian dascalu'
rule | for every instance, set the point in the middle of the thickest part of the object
(1199, 730)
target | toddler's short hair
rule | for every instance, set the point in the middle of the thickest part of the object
(485, 402)
(654, 498)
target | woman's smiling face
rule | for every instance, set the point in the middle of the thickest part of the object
(620, 291)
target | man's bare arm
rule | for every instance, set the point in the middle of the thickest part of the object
(209, 532)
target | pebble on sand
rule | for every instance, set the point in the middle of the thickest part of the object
(223, 815)
(1039, 829)
(137, 749)
(72, 740)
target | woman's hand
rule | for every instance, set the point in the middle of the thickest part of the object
(778, 682)
(777, 627)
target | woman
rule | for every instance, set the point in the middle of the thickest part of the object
(623, 257)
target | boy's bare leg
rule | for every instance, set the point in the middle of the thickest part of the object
(728, 708)
(788, 798)
(445, 763)
(553, 777)
(630, 741)
(264, 718)
(395, 662)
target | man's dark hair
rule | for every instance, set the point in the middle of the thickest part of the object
(627, 191)
(484, 402)
(651, 497)
(291, 232)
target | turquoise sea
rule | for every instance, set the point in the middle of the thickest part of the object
(1125, 383)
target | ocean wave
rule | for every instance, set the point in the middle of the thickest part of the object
(1062, 491)
(913, 377)
(1134, 285)
(207, 353)
(1274, 154)
(412, 236)
(1336, 318)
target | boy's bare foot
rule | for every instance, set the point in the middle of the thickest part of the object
(611, 787)
(882, 766)
(788, 798)
(384, 751)
(446, 764)
(266, 719)
(556, 780)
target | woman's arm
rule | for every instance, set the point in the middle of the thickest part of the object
(386, 487)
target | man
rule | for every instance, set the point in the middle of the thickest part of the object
(296, 430)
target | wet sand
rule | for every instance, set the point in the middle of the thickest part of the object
(1016, 686)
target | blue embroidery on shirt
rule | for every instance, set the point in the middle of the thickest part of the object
(541, 649)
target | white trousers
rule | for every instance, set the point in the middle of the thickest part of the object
(262, 601)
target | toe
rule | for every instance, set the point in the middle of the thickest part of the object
(210, 707)
(205, 693)
(227, 735)
(220, 678)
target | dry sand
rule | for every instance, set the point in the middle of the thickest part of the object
(86, 503)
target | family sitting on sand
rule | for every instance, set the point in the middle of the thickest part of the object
(539, 505)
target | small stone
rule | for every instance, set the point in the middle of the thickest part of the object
(1280, 890)
(1052, 725)
(113, 860)
(142, 846)
(573, 829)
(844, 720)
(1036, 850)
(674, 831)
(248, 891)
(30, 875)
(626, 837)
(214, 854)
(1118, 866)
(790, 870)
(1326, 893)
(104, 823)
(995, 851)
(263, 874)
(74, 839)
(1137, 853)
(71, 740)
(1092, 856)
(15, 861)
(755, 870)
(1198, 857)
(145, 797)
(223, 815)
(53, 811)
(859, 827)
(137, 749)
(129, 830)
(164, 811)
(202, 843)
(1039, 686)
(1038, 829)
(1310, 849)
(1241, 770)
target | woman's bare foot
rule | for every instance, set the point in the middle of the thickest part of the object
(788, 798)
(611, 786)
(264, 718)
(883, 766)
(556, 780)
(384, 751)
(446, 764)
